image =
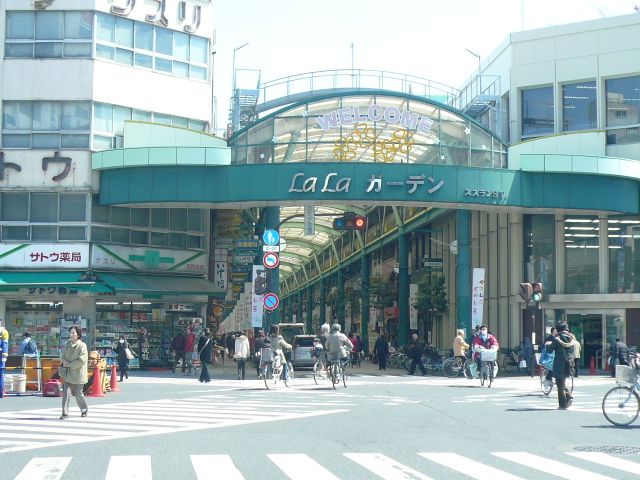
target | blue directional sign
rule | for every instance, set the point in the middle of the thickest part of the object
(271, 301)
(271, 237)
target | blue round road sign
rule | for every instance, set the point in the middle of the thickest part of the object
(271, 301)
(271, 237)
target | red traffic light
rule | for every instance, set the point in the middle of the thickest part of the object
(350, 221)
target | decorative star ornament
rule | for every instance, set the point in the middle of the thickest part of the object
(442, 158)
(274, 139)
(467, 130)
(305, 114)
(437, 141)
(262, 156)
(484, 147)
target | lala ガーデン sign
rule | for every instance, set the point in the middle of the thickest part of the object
(390, 146)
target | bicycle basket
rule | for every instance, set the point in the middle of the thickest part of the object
(625, 374)
(488, 355)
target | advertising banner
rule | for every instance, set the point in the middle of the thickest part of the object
(258, 289)
(477, 297)
(413, 312)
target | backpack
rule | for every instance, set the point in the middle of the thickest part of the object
(30, 347)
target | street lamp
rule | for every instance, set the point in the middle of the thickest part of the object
(235, 112)
(479, 70)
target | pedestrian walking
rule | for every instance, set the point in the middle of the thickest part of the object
(189, 350)
(577, 352)
(123, 355)
(415, 354)
(205, 349)
(381, 350)
(620, 356)
(527, 355)
(241, 352)
(4, 353)
(28, 345)
(179, 346)
(563, 346)
(74, 372)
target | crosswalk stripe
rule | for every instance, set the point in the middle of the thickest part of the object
(44, 468)
(61, 429)
(177, 413)
(131, 419)
(222, 465)
(80, 422)
(471, 468)
(131, 467)
(549, 466)
(386, 467)
(608, 461)
(297, 466)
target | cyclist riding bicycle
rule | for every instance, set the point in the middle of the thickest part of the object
(338, 345)
(277, 343)
(324, 334)
(483, 341)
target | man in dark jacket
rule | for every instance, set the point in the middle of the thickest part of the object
(260, 343)
(415, 354)
(381, 350)
(178, 344)
(620, 356)
(563, 346)
(205, 350)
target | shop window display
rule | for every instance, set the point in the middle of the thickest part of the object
(40, 319)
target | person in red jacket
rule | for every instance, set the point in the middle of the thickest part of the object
(484, 340)
(189, 345)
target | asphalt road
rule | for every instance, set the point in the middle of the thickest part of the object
(391, 426)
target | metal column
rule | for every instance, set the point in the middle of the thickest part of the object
(365, 273)
(403, 289)
(463, 272)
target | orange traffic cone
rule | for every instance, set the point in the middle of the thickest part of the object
(114, 379)
(592, 366)
(96, 387)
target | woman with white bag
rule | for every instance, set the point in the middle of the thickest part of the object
(124, 355)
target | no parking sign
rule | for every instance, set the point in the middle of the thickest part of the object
(271, 301)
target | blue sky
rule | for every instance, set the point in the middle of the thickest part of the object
(425, 38)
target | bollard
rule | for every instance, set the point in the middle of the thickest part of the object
(114, 379)
(592, 366)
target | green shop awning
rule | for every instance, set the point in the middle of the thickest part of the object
(74, 280)
(156, 284)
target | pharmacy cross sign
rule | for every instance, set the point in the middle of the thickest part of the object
(151, 259)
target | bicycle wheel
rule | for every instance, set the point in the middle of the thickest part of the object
(344, 377)
(451, 367)
(466, 369)
(268, 376)
(509, 364)
(334, 376)
(319, 372)
(621, 405)
(291, 376)
(545, 386)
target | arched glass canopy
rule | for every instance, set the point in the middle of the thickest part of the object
(361, 126)
(373, 127)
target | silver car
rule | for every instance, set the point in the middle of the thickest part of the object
(302, 355)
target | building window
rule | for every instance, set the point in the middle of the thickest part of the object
(45, 125)
(623, 110)
(108, 123)
(147, 46)
(48, 34)
(579, 106)
(537, 111)
(539, 250)
(624, 254)
(582, 247)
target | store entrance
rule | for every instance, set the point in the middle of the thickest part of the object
(596, 332)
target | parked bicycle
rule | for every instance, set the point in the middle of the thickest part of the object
(454, 366)
(621, 404)
(320, 368)
(547, 385)
(511, 361)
